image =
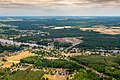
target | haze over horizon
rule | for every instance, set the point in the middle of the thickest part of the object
(59, 7)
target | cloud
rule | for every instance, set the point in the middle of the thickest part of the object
(58, 2)
(103, 1)
(106, 2)
(57, 6)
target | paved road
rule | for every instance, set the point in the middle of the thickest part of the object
(73, 45)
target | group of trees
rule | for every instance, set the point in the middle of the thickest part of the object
(43, 42)
(10, 48)
(59, 44)
(28, 38)
(37, 39)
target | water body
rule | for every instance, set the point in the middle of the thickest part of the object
(17, 43)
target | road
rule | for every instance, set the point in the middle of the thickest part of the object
(73, 45)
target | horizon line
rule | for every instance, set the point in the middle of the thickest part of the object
(61, 16)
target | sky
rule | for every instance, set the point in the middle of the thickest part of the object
(59, 7)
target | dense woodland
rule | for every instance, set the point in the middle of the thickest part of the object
(59, 63)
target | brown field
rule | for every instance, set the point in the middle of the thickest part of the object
(7, 64)
(104, 30)
(54, 77)
(21, 55)
(16, 58)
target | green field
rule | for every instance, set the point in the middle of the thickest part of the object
(107, 65)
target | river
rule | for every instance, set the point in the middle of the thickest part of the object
(17, 43)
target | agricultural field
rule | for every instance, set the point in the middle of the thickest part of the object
(104, 30)
(21, 55)
(15, 59)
